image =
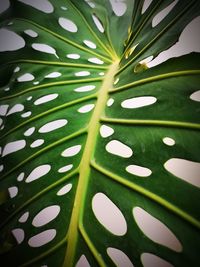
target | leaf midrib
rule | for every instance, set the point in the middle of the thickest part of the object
(84, 171)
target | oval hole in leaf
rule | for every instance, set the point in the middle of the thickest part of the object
(38, 172)
(16, 108)
(54, 74)
(13, 147)
(64, 190)
(52, 126)
(184, 169)
(46, 215)
(71, 151)
(107, 213)
(5, 4)
(119, 7)
(138, 170)
(31, 33)
(73, 56)
(45, 99)
(82, 262)
(116, 147)
(86, 88)
(19, 235)
(138, 102)
(86, 108)
(42, 238)
(90, 44)
(44, 48)
(95, 61)
(106, 131)
(156, 230)
(168, 141)
(24, 217)
(65, 168)
(68, 24)
(10, 41)
(151, 260)
(13, 191)
(195, 96)
(163, 13)
(29, 132)
(146, 5)
(37, 143)
(119, 257)
(98, 23)
(42, 5)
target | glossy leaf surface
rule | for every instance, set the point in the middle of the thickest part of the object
(100, 154)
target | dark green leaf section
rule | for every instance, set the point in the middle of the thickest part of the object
(72, 162)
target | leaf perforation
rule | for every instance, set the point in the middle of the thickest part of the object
(65, 39)
(49, 111)
(110, 51)
(17, 211)
(46, 85)
(139, 189)
(41, 151)
(173, 21)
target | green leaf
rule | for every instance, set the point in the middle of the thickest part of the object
(99, 153)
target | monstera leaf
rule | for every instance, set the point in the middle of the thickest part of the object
(99, 152)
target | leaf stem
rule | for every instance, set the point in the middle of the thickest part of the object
(93, 129)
